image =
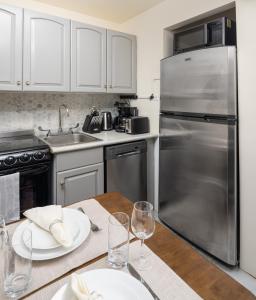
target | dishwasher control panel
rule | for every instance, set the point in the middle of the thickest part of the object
(116, 151)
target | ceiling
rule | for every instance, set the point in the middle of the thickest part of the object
(112, 10)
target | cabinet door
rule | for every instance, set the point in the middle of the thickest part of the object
(121, 62)
(10, 48)
(88, 58)
(79, 184)
(46, 53)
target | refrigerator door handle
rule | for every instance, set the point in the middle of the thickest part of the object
(205, 34)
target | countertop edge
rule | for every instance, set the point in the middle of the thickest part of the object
(104, 141)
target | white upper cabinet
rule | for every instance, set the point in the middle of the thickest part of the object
(88, 58)
(46, 59)
(10, 48)
(37, 54)
(121, 62)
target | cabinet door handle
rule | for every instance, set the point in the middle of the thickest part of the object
(18, 82)
(27, 82)
(62, 183)
(110, 86)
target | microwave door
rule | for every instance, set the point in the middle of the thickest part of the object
(189, 39)
(200, 82)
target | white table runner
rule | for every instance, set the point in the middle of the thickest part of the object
(166, 284)
(44, 272)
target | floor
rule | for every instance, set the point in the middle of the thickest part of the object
(239, 275)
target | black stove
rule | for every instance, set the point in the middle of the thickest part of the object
(22, 152)
(21, 148)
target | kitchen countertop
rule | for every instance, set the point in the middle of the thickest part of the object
(106, 138)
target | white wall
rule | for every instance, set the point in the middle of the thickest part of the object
(57, 11)
(246, 24)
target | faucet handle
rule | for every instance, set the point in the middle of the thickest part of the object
(71, 128)
(48, 130)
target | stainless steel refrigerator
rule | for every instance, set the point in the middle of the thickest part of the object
(198, 149)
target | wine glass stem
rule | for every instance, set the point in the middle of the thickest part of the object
(142, 249)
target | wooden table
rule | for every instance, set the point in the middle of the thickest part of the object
(201, 275)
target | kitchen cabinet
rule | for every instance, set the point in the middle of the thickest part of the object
(79, 184)
(97, 52)
(46, 57)
(78, 175)
(121, 62)
(10, 48)
(39, 52)
(88, 58)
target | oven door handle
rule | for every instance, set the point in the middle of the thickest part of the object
(34, 171)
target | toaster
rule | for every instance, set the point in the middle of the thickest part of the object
(137, 125)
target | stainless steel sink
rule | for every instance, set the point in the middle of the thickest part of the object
(69, 139)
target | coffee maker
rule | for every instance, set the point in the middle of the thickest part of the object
(124, 112)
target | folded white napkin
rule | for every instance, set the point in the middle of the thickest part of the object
(50, 218)
(80, 289)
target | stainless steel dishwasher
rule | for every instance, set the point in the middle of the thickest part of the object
(126, 170)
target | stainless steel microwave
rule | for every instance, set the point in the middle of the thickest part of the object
(220, 32)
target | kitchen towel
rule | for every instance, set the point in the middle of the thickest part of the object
(168, 286)
(10, 197)
(95, 245)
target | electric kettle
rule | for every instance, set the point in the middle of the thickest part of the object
(106, 121)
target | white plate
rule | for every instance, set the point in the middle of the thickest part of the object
(43, 240)
(82, 222)
(111, 284)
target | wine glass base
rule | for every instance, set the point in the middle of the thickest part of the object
(142, 263)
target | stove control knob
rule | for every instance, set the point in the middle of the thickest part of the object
(39, 155)
(10, 160)
(25, 158)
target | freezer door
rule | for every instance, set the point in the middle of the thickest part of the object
(197, 183)
(201, 81)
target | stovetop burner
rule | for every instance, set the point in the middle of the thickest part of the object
(20, 141)
(21, 149)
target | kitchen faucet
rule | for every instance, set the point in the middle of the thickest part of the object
(60, 130)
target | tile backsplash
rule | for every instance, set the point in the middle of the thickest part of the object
(20, 111)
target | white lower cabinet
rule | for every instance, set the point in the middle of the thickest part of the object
(79, 184)
(78, 175)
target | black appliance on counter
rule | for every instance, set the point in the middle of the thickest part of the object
(137, 125)
(124, 112)
(24, 153)
(220, 32)
(93, 121)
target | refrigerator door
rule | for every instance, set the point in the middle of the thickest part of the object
(197, 183)
(201, 81)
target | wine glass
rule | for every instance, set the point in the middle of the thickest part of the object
(143, 227)
(3, 232)
(17, 269)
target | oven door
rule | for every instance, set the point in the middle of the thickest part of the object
(34, 185)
